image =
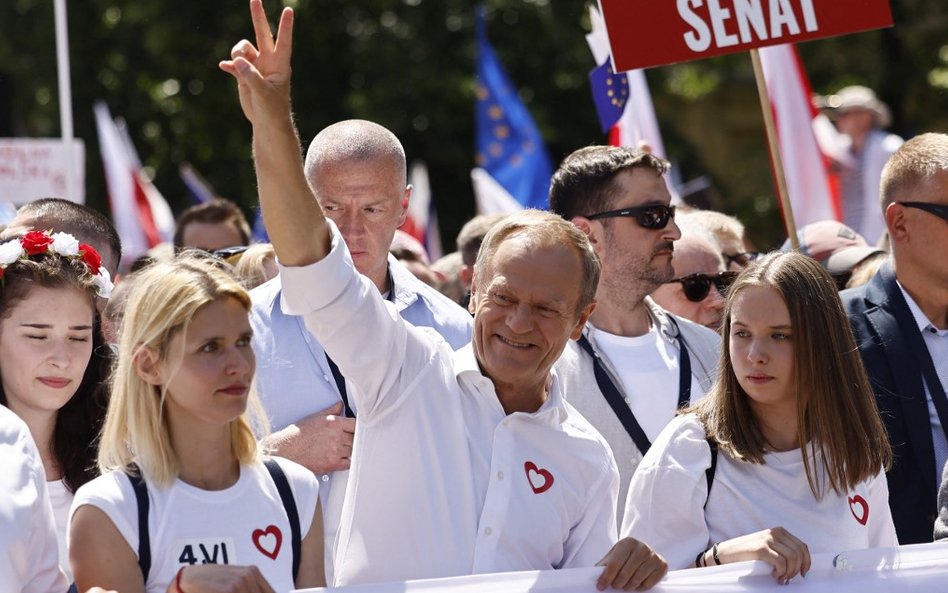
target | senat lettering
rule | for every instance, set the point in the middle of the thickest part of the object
(756, 20)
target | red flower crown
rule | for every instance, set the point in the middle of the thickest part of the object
(62, 244)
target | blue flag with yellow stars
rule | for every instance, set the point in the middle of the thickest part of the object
(509, 145)
(610, 94)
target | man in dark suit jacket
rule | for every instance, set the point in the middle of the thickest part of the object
(899, 319)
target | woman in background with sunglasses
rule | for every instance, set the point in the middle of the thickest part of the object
(697, 290)
(785, 455)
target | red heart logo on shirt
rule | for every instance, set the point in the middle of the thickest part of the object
(535, 475)
(863, 515)
(268, 541)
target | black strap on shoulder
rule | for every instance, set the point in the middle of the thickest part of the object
(144, 538)
(617, 402)
(289, 504)
(341, 386)
(684, 367)
(709, 473)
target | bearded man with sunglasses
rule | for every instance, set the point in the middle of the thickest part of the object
(635, 363)
(900, 319)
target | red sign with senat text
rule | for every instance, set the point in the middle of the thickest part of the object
(645, 33)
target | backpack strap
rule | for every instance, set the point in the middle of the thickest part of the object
(144, 538)
(289, 504)
(709, 473)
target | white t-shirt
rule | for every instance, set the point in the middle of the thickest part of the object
(648, 367)
(443, 482)
(245, 524)
(666, 502)
(61, 499)
(29, 561)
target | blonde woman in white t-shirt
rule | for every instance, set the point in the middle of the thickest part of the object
(800, 447)
(178, 419)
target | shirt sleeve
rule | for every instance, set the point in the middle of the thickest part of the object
(112, 494)
(881, 527)
(375, 349)
(941, 522)
(665, 504)
(595, 534)
(43, 558)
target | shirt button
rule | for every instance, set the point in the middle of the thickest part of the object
(500, 475)
(325, 477)
(325, 378)
(488, 531)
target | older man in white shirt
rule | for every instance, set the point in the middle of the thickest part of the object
(463, 463)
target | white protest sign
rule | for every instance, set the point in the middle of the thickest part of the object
(33, 168)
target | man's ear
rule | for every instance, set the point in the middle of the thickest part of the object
(148, 365)
(406, 198)
(895, 222)
(473, 300)
(592, 231)
(581, 320)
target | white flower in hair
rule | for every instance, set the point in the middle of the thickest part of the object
(65, 244)
(103, 283)
(10, 252)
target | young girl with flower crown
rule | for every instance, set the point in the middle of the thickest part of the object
(53, 360)
(186, 502)
(785, 455)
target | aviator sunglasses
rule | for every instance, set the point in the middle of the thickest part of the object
(652, 216)
(697, 286)
(938, 210)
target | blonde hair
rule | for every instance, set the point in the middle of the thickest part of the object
(251, 265)
(837, 413)
(912, 167)
(162, 302)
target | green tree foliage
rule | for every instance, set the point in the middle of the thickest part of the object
(409, 64)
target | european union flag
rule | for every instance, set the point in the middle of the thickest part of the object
(610, 94)
(509, 145)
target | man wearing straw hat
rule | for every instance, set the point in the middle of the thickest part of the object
(859, 148)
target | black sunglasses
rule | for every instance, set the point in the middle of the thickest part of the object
(228, 252)
(939, 210)
(741, 259)
(697, 286)
(653, 216)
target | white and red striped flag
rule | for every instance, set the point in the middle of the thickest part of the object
(813, 195)
(638, 123)
(422, 220)
(141, 215)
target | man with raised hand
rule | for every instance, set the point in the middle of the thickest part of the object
(466, 462)
(357, 171)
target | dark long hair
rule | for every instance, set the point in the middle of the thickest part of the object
(79, 421)
(837, 411)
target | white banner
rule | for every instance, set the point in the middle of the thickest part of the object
(920, 568)
(33, 168)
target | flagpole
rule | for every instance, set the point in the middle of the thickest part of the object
(771, 128)
(65, 97)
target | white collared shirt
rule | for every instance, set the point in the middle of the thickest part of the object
(443, 482)
(29, 557)
(936, 340)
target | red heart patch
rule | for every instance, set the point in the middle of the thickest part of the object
(863, 515)
(268, 541)
(535, 474)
